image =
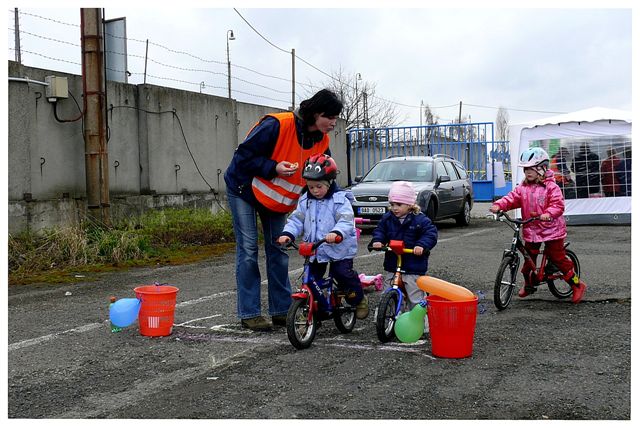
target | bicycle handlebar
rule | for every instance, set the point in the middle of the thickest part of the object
(292, 244)
(388, 248)
(514, 220)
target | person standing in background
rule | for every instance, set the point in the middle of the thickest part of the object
(560, 166)
(608, 168)
(586, 166)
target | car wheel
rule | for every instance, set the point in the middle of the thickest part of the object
(464, 218)
(431, 210)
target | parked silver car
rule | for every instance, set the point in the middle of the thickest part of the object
(443, 186)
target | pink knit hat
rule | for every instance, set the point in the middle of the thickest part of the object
(402, 192)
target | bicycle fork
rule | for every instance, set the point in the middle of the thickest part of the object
(305, 293)
(397, 284)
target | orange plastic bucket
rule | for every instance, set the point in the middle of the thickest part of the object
(452, 325)
(157, 309)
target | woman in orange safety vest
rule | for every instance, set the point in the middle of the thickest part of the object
(264, 180)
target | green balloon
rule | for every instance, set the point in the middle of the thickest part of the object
(410, 325)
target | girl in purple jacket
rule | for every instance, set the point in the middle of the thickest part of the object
(539, 196)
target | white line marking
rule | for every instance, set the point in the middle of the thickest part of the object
(336, 341)
(197, 319)
(41, 339)
(205, 298)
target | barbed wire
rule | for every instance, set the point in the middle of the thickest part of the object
(21, 12)
(236, 66)
(150, 59)
(46, 56)
(261, 96)
(220, 62)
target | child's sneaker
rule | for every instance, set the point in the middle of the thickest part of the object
(527, 289)
(362, 308)
(578, 292)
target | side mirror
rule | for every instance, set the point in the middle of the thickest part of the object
(442, 179)
(358, 178)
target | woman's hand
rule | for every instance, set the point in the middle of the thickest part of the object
(545, 217)
(284, 239)
(286, 168)
(494, 209)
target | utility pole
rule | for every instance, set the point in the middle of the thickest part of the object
(460, 115)
(16, 32)
(146, 55)
(293, 79)
(95, 146)
(365, 109)
(420, 137)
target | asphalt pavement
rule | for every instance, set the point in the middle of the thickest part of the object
(541, 358)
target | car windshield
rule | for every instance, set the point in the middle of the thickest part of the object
(401, 170)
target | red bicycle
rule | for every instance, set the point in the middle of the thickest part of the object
(506, 278)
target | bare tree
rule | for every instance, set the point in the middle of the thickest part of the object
(502, 124)
(362, 108)
(502, 136)
(429, 117)
(431, 133)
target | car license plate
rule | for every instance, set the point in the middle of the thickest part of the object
(371, 210)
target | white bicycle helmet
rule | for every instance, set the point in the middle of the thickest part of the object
(533, 157)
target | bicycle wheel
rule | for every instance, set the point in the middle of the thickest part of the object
(386, 318)
(300, 331)
(344, 315)
(561, 289)
(505, 281)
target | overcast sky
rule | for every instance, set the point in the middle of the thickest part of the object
(543, 60)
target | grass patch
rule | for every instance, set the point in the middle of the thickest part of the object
(170, 236)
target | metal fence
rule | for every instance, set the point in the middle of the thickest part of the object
(470, 143)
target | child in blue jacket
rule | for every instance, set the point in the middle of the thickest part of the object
(325, 211)
(405, 222)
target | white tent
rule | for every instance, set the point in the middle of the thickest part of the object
(584, 124)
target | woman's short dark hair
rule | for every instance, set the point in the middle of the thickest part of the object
(324, 101)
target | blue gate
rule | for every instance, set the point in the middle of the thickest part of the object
(470, 143)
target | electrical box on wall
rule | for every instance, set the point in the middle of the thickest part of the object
(57, 87)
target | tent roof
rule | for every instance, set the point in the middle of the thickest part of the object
(588, 115)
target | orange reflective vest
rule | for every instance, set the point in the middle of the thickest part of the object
(280, 194)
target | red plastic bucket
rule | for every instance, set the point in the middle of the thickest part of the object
(157, 309)
(452, 325)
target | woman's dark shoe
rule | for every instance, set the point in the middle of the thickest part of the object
(280, 320)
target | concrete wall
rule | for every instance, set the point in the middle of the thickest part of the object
(150, 163)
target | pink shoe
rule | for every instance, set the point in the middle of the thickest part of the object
(578, 292)
(527, 289)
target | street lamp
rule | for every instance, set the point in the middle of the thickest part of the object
(229, 37)
(358, 77)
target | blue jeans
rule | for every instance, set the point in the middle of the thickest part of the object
(245, 227)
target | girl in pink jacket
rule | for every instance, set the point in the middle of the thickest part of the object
(539, 196)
